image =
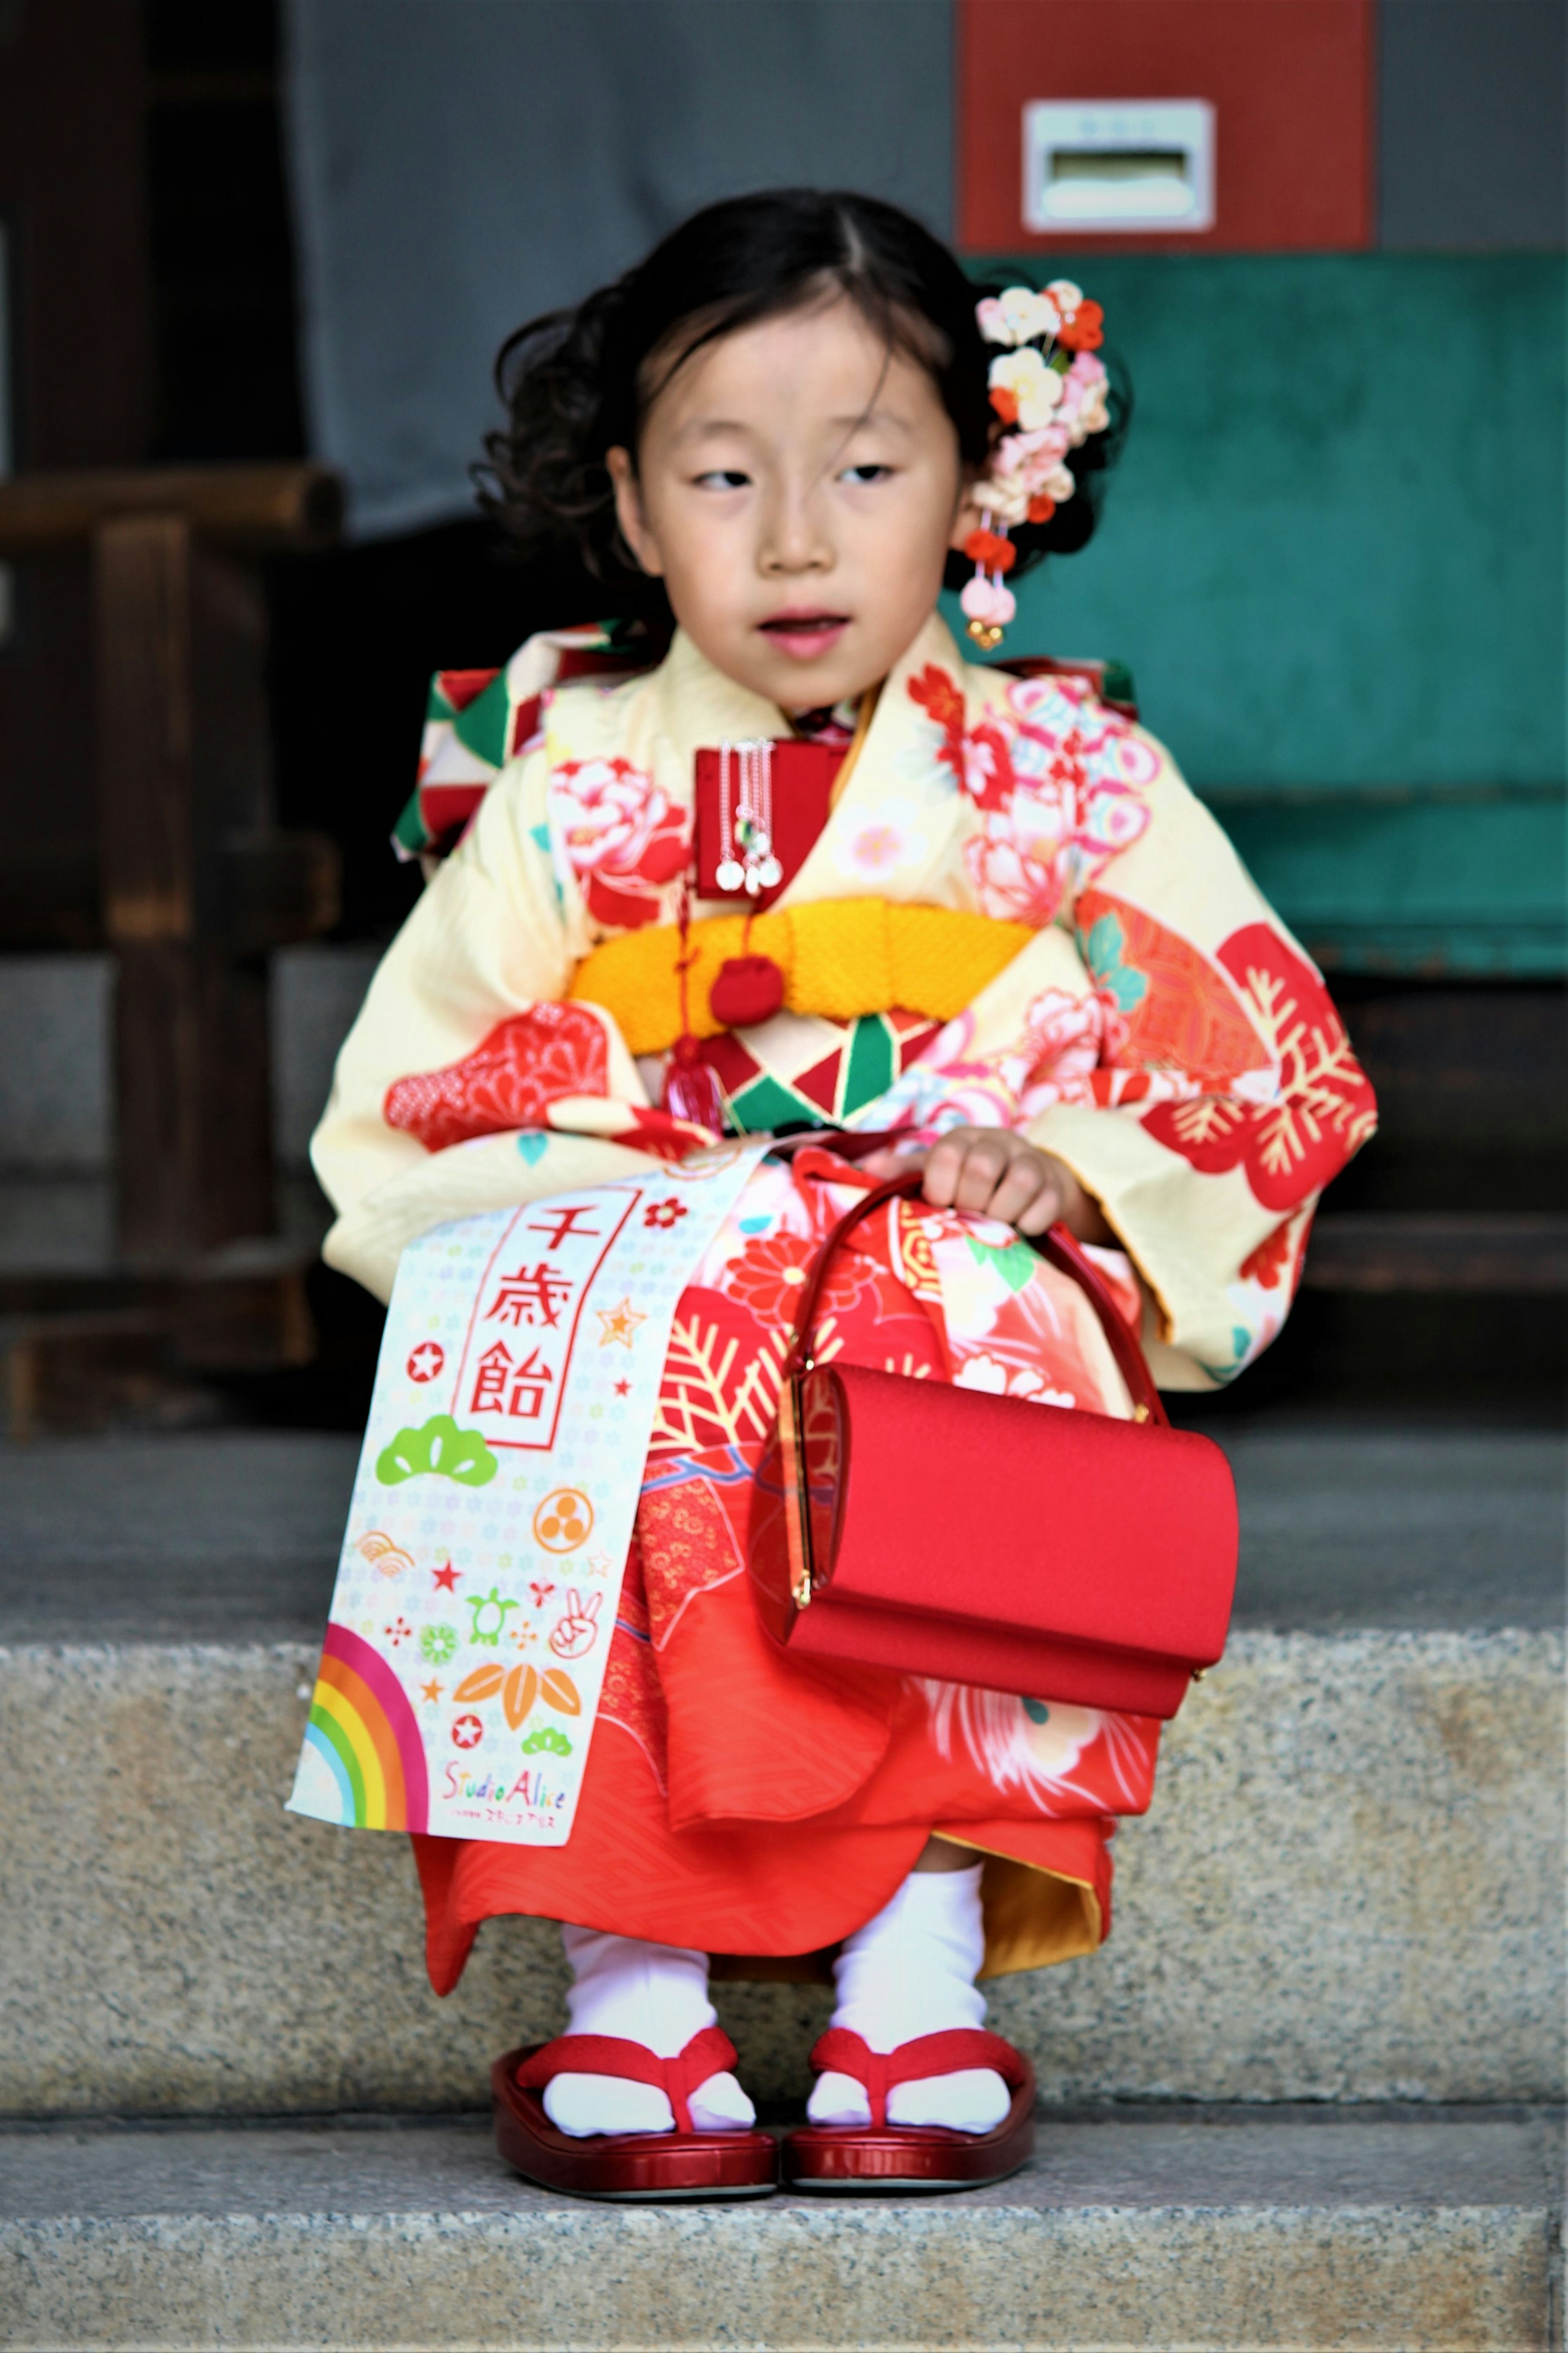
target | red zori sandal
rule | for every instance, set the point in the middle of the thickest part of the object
(880, 2156)
(684, 2163)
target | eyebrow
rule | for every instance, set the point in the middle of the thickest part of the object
(863, 418)
(709, 428)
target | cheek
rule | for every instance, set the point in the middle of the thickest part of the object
(705, 559)
(909, 544)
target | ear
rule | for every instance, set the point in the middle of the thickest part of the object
(629, 512)
(969, 516)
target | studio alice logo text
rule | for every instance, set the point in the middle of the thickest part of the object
(531, 1788)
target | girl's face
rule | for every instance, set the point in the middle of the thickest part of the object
(798, 488)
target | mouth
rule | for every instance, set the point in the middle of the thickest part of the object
(804, 634)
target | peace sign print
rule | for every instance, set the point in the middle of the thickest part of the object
(563, 1521)
(576, 1629)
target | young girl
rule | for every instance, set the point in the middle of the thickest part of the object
(814, 869)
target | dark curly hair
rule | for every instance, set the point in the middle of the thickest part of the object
(577, 383)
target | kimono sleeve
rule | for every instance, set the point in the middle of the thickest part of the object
(485, 944)
(1228, 1094)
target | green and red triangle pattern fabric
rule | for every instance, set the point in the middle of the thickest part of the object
(873, 1051)
(477, 720)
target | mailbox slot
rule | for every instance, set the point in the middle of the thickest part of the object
(1142, 165)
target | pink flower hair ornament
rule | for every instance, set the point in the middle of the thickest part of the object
(1047, 386)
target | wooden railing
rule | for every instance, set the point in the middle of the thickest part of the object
(252, 508)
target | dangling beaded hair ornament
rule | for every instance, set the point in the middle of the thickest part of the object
(1046, 384)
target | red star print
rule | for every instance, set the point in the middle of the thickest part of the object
(623, 1388)
(447, 1578)
(425, 1361)
(467, 1732)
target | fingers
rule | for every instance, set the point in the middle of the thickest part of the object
(989, 1172)
(964, 1168)
(891, 1161)
(944, 1164)
(1030, 1196)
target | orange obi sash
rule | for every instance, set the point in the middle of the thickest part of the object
(839, 958)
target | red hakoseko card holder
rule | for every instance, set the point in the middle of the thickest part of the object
(802, 782)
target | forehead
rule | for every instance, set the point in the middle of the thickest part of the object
(828, 364)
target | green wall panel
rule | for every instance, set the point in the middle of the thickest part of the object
(1460, 880)
(1333, 551)
(1333, 557)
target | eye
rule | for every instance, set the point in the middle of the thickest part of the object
(870, 472)
(723, 477)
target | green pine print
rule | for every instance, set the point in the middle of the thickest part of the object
(1015, 1261)
(1102, 949)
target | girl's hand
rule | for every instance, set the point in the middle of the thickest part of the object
(1000, 1174)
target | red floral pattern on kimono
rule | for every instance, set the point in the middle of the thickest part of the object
(1169, 1009)
(623, 836)
(525, 1065)
(1279, 1257)
(1056, 781)
(1322, 1108)
(1054, 1059)
(693, 1829)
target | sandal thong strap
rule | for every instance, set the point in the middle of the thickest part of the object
(848, 2054)
(709, 2053)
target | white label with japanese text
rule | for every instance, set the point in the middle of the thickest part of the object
(492, 1510)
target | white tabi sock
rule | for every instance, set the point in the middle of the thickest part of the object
(908, 1972)
(653, 1994)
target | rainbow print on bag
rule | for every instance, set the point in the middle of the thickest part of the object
(364, 1733)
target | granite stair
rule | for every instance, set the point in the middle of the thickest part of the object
(1213, 2228)
(1306, 2096)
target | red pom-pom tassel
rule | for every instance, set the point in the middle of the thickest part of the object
(747, 990)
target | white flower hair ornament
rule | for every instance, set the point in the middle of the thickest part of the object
(1048, 388)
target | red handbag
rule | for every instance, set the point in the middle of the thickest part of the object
(945, 1531)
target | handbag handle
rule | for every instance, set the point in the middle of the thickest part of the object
(1057, 1245)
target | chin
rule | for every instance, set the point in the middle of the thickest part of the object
(809, 689)
(808, 686)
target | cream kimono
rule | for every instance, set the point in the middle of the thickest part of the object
(1015, 914)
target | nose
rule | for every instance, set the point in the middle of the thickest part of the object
(793, 541)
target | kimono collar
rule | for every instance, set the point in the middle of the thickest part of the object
(698, 705)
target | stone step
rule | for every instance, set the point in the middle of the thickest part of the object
(1202, 2229)
(1350, 1887)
